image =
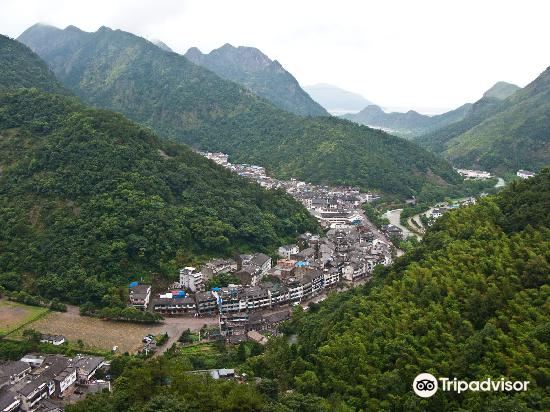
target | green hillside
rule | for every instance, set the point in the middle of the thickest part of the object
(471, 302)
(500, 135)
(88, 200)
(180, 100)
(20, 67)
(266, 78)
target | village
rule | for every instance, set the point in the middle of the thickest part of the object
(265, 288)
(260, 295)
(48, 382)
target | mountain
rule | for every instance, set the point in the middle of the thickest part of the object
(503, 132)
(471, 302)
(162, 45)
(335, 100)
(407, 124)
(264, 77)
(20, 67)
(89, 200)
(116, 70)
(501, 91)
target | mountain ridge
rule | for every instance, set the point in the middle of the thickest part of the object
(113, 69)
(502, 133)
(254, 70)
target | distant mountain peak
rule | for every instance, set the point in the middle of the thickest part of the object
(161, 44)
(501, 90)
(253, 69)
(337, 100)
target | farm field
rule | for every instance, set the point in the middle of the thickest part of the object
(13, 315)
(104, 335)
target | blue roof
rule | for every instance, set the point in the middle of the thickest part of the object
(215, 289)
(134, 284)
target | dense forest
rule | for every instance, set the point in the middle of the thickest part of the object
(471, 301)
(89, 200)
(20, 67)
(115, 70)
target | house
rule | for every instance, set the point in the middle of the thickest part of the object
(256, 337)
(33, 359)
(474, 174)
(262, 262)
(392, 231)
(9, 402)
(12, 372)
(242, 260)
(437, 212)
(288, 250)
(86, 367)
(33, 392)
(330, 277)
(216, 266)
(139, 295)
(175, 305)
(191, 279)
(233, 323)
(206, 303)
(249, 275)
(55, 340)
(260, 321)
(525, 174)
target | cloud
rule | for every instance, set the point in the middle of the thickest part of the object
(413, 54)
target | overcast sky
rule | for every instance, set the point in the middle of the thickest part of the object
(410, 54)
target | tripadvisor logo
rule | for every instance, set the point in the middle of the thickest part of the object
(426, 385)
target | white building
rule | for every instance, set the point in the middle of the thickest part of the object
(191, 279)
(473, 174)
(525, 174)
(287, 250)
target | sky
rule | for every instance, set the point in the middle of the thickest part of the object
(407, 54)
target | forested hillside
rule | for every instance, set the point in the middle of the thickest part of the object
(178, 99)
(264, 77)
(504, 131)
(471, 302)
(89, 200)
(20, 67)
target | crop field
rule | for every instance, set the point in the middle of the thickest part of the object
(13, 315)
(99, 334)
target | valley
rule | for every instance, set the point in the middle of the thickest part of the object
(186, 227)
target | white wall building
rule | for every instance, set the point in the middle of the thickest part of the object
(191, 279)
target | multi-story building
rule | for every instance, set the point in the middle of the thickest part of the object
(191, 279)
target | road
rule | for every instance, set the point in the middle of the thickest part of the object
(394, 218)
(176, 325)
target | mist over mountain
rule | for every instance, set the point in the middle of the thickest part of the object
(336, 100)
(266, 78)
(407, 124)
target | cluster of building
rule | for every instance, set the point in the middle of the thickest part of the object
(441, 208)
(333, 206)
(525, 174)
(41, 382)
(474, 174)
(302, 271)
